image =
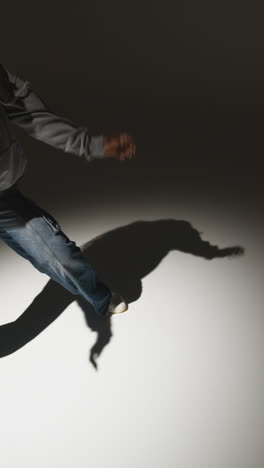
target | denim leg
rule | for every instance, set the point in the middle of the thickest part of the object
(35, 235)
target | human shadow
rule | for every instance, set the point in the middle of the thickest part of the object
(121, 257)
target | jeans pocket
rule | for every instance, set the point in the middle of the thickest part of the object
(51, 222)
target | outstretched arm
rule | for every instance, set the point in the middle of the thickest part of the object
(27, 109)
(209, 251)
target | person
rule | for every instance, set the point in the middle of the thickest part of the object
(27, 228)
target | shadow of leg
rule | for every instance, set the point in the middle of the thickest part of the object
(45, 308)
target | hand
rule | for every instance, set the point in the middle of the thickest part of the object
(232, 251)
(119, 146)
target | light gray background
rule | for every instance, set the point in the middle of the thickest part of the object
(180, 381)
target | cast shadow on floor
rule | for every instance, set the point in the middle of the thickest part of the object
(121, 257)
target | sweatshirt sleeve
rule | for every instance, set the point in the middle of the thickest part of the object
(27, 109)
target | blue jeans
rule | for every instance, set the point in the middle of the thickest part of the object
(35, 235)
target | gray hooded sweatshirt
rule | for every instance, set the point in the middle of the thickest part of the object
(20, 105)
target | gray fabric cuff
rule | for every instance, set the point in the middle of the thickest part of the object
(96, 146)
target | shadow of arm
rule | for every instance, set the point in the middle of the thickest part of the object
(208, 251)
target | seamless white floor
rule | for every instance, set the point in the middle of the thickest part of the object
(181, 382)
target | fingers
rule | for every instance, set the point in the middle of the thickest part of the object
(127, 154)
(127, 145)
